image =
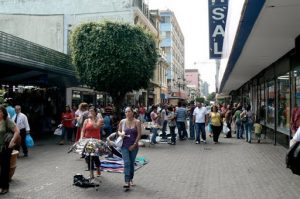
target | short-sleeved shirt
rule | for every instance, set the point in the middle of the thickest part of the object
(181, 114)
(200, 114)
(215, 119)
(10, 124)
(171, 123)
(237, 115)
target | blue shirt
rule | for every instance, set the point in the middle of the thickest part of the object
(181, 114)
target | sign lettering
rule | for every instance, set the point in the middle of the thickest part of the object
(217, 11)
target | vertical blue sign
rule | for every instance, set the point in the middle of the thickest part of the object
(217, 14)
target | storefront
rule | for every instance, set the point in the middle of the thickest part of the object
(260, 64)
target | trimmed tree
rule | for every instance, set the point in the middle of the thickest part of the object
(113, 57)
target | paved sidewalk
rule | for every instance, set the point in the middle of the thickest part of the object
(231, 169)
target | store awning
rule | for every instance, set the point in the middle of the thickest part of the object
(266, 31)
(24, 62)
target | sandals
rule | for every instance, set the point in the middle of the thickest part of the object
(4, 191)
(131, 183)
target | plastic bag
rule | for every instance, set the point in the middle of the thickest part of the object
(29, 141)
(58, 131)
(225, 128)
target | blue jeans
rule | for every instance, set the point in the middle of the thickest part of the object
(244, 130)
(164, 128)
(200, 127)
(129, 160)
(238, 129)
(192, 129)
(69, 132)
(181, 130)
(249, 131)
(173, 135)
(154, 134)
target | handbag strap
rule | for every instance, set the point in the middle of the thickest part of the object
(123, 125)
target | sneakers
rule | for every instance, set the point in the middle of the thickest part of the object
(197, 142)
(172, 143)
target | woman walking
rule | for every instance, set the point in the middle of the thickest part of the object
(130, 130)
(67, 122)
(216, 125)
(6, 148)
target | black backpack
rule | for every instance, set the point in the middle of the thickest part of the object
(293, 158)
(80, 181)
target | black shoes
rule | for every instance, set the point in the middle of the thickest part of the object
(3, 191)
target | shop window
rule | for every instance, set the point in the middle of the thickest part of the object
(262, 104)
(270, 104)
(283, 119)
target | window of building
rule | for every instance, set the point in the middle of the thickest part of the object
(165, 19)
(262, 104)
(270, 91)
(283, 119)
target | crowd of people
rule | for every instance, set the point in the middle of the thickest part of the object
(87, 121)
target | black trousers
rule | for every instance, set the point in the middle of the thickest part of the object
(5, 156)
(216, 132)
(95, 161)
(23, 143)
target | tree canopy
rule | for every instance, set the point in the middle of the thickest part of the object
(113, 57)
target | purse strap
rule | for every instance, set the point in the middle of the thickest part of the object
(123, 125)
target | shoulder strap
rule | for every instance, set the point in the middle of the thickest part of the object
(123, 125)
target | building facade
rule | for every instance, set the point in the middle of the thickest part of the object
(192, 79)
(172, 43)
(49, 24)
(261, 62)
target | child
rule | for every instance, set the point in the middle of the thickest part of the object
(257, 130)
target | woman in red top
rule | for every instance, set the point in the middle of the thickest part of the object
(67, 118)
(91, 129)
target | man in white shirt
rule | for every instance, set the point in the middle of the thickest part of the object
(22, 123)
(200, 120)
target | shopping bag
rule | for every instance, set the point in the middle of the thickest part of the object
(29, 141)
(58, 131)
(225, 128)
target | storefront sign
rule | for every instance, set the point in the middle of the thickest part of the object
(217, 14)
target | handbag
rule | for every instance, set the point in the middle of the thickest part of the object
(119, 140)
(292, 158)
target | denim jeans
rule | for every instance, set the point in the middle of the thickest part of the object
(173, 135)
(238, 129)
(181, 130)
(249, 131)
(154, 134)
(164, 128)
(129, 160)
(69, 132)
(244, 130)
(200, 127)
(192, 129)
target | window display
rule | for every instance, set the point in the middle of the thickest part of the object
(283, 119)
(270, 104)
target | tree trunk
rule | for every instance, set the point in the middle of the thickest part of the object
(118, 101)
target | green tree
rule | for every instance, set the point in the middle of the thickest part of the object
(211, 97)
(113, 57)
(200, 99)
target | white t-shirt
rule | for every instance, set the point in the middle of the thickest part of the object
(199, 114)
(296, 137)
